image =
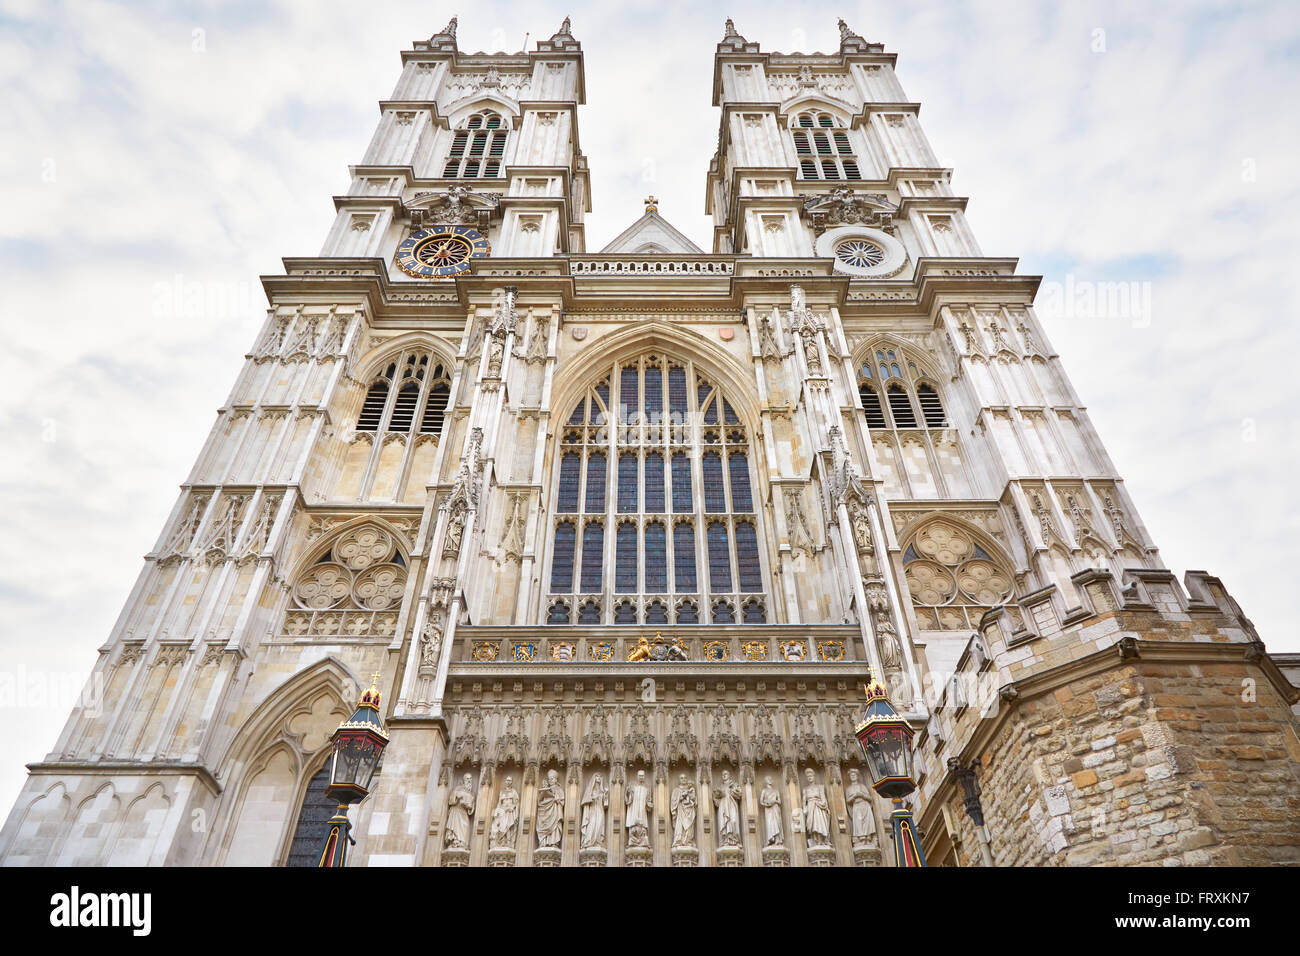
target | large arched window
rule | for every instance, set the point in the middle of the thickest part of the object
(407, 397)
(823, 147)
(477, 148)
(654, 518)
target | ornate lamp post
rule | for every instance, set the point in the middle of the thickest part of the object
(886, 739)
(358, 744)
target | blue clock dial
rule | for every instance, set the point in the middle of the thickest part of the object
(440, 251)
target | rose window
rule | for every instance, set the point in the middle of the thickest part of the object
(860, 253)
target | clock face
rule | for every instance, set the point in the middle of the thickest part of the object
(440, 251)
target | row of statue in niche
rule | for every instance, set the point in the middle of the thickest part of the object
(638, 813)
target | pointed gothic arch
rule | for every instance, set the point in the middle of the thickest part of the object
(271, 758)
(655, 486)
(353, 581)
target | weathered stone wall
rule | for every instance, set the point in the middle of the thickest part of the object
(1149, 762)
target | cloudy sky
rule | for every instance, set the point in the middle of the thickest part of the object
(153, 147)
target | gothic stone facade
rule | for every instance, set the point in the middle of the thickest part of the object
(519, 481)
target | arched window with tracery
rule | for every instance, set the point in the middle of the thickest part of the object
(897, 393)
(478, 148)
(654, 518)
(952, 578)
(915, 444)
(409, 395)
(823, 147)
(398, 427)
(353, 587)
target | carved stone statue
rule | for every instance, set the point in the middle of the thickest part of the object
(431, 640)
(595, 800)
(460, 807)
(550, 810)
(727, 798)
(816, 811)
(682, 806)
(505, 818)
(770, 802)
(641, 652)
(862, 824)
(639, 804)
(455, 531)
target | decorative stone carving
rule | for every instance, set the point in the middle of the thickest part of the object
(550, 811)
(682, 808)
(816, 811)
(464, 494)
(431, 639)
(595, 803)
(516, 521)
(640, 802)
(538, 346)
(841, 206)
(460, 807)
(727, 799)
(457, 205)
(797, 526)
(769, 801)
(862, 825)
(505, 818)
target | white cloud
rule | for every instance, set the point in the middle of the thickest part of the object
(132, 159)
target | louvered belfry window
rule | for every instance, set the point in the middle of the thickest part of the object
(409, 396)
(655, 503)
(896, 393)
(823, 147)
(478, 148)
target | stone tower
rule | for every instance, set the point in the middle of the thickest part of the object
(625, 532)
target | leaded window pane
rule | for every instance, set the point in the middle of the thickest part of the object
(654, 394)
(562, 560)
(570, 473)
(677, 393)
(738, 466)
(715, 499)
(654, 483)
(313, 822)
(656, 559)
(625, 559)
(627, 393)
(684, 557)
(596, 482)
(593, 557)
(627, 482)
(747, 563)
(719, 558)
(683, 501)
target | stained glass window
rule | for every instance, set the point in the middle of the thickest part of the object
(654, 483)
(562, 560)
(656, 559)
(653, 466)
(627, 481)
(625, 558)
(593, 557)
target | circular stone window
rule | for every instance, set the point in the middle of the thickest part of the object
(859, 251)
